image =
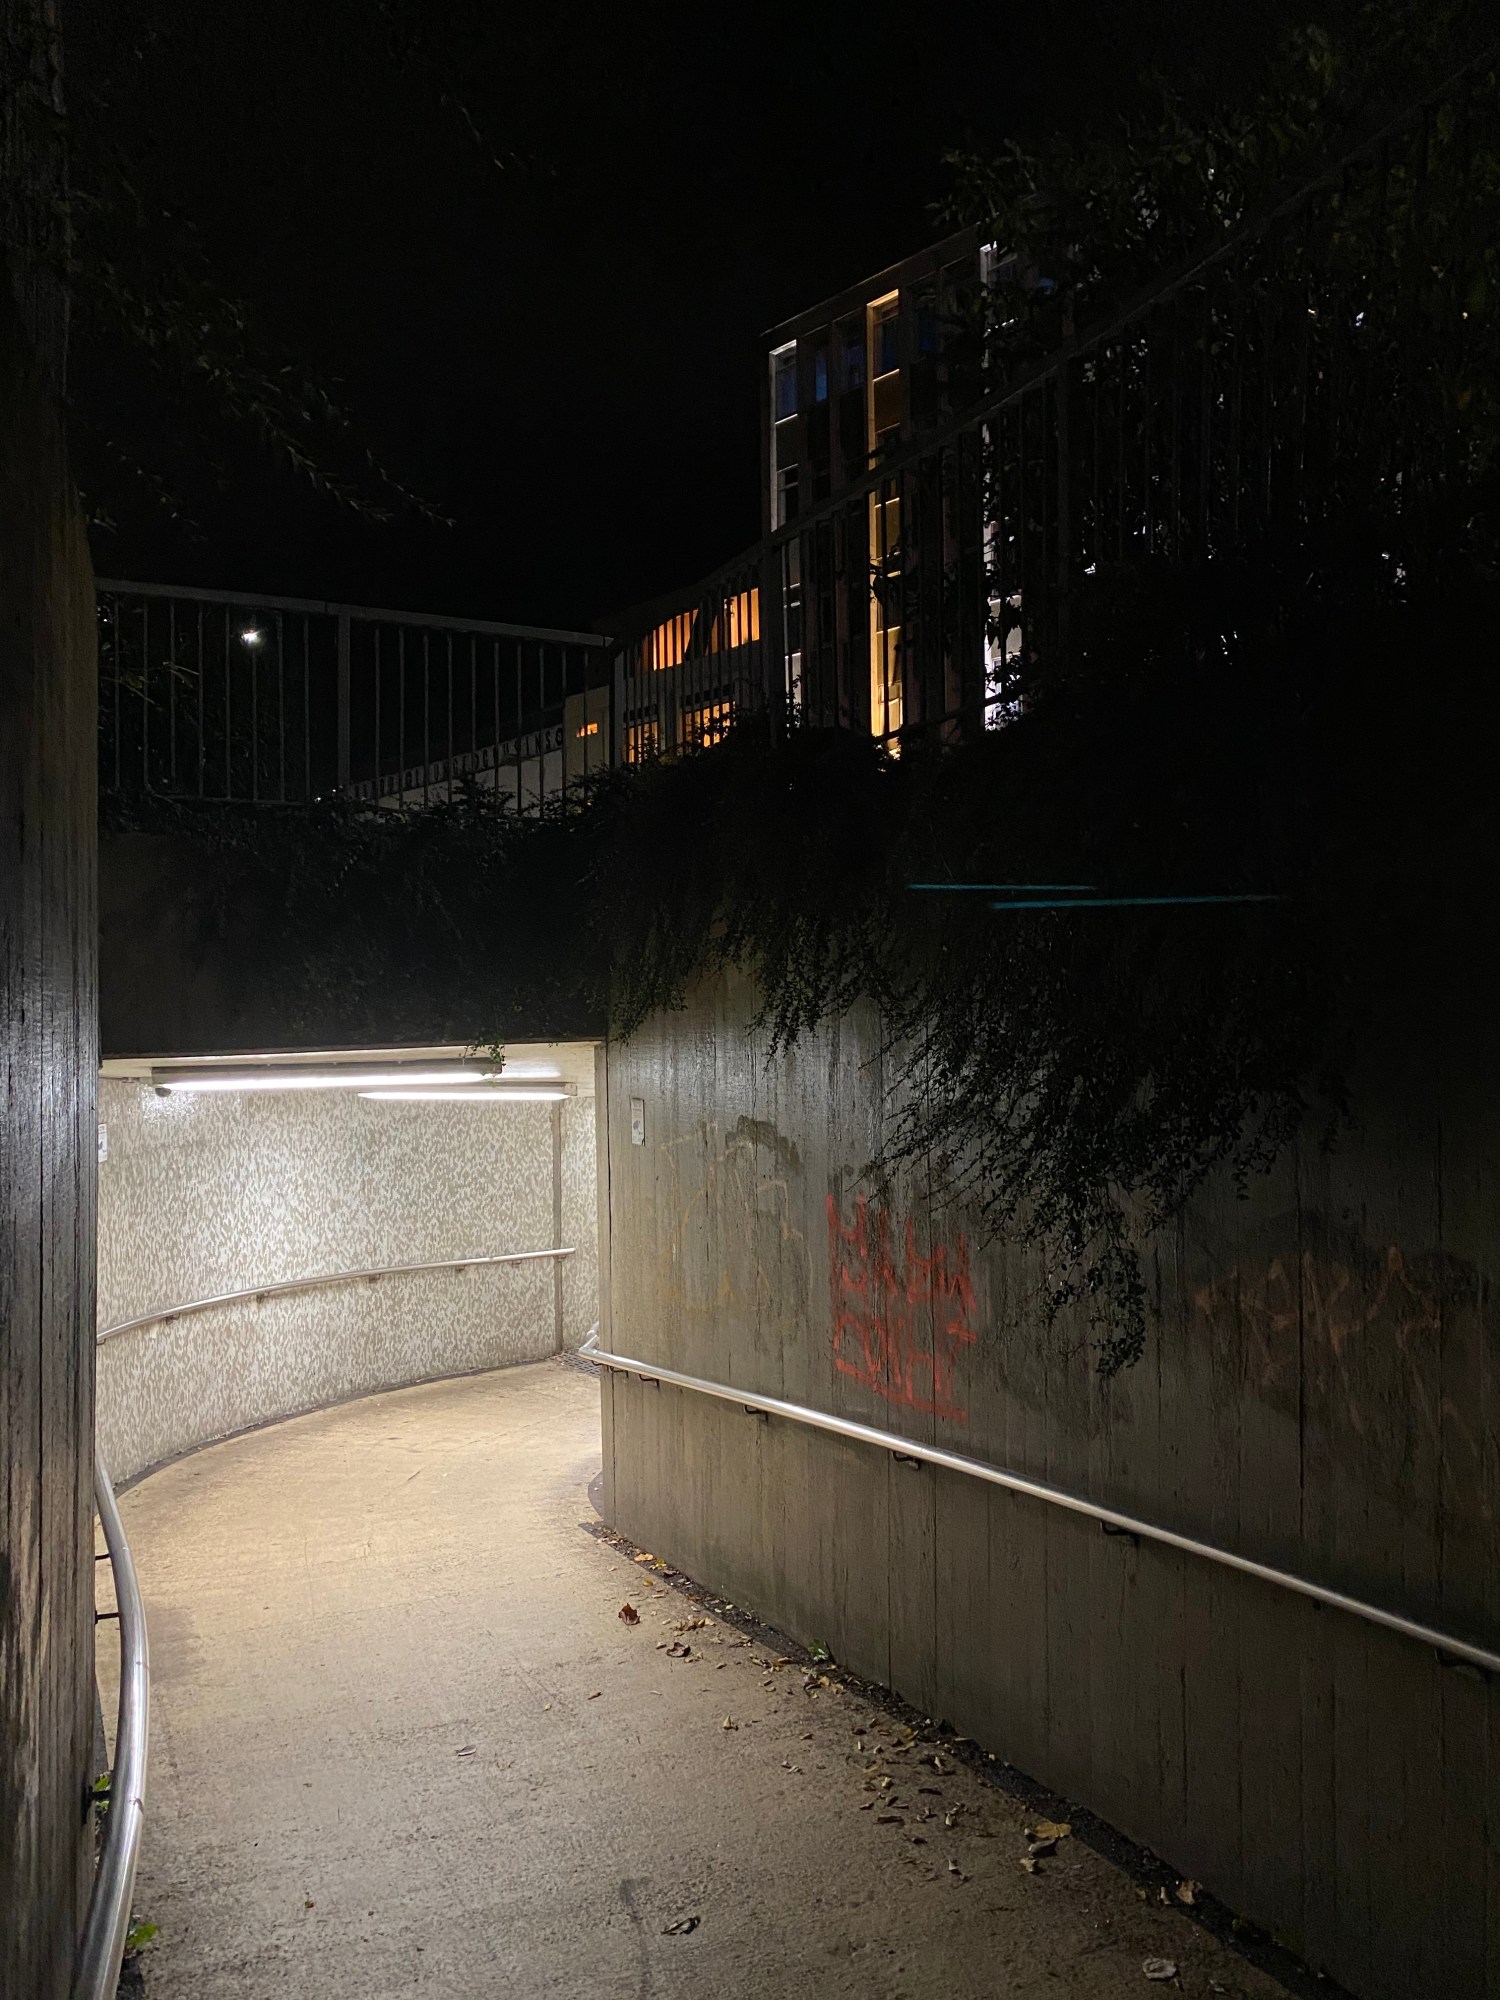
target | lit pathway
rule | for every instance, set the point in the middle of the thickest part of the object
(404, 1745)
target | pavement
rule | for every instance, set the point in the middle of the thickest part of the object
(404, 1744)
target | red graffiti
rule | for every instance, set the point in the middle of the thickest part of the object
(876, 1317)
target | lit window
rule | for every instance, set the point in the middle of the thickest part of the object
(642, 740)
(886, 678)
(666, 646)
(738, 624)
(784, 382)
(705, 725)
(884, 326)
(589, 729)
(820, 375)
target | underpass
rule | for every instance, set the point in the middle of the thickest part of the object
(405, 1743)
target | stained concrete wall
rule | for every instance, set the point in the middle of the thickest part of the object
(1321, 1392)
(48, 1059)
(206, 1194)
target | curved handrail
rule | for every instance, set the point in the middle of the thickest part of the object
(1056, 1496)
(96, 1973)
(163, 1315)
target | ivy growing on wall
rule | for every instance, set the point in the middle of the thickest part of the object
(1320, 734)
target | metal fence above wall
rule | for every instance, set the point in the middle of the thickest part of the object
(216, 696)
(1300, 372)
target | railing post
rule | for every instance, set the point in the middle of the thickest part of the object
(343, 698)
(774, 689)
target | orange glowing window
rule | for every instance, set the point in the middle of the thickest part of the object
(642, 740)
(885, 326)
(666, 646)
(738, 623)
(706, 724)
(589, 729)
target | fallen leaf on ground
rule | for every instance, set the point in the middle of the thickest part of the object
(1027, 1863)
(680, 1926)
(1041, 1846)
(1189, 1892)
(307, 1903)
(1051, 1829)
(629, 1615)
(954, 1869)
(1159, 1969)
(889, 1819)
(919, 1840)
(788, 1765)
(729, 1723)
(596, 1694)
(467, 1751)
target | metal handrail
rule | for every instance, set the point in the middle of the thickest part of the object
(96, 1972)
(165, 1314)
(364, 614)
(1056, 1496)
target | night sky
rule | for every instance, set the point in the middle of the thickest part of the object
(561, 352)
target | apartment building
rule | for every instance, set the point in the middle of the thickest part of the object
(846, 384)
(866, 605)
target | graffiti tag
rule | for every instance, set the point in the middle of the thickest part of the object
(880, 1310)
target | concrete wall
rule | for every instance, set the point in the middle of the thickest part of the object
(1322, 1392)
(201, 1195)
(48, 1059)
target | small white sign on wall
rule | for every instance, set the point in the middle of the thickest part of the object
(637, 1121)
(103, 1142)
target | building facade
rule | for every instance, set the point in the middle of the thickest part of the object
(866, 606)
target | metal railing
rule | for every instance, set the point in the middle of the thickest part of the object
(212, 695)
(96, 1972)
(1110, 1518)
(1307, 368)
(101, 1948)
(164, 1315)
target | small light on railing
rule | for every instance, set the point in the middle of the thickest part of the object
(250, 636)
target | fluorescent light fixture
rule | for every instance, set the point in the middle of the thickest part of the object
(525, 1071)
(482, 1094)
(311, 1079)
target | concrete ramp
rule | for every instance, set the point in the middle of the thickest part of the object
(404, 1744)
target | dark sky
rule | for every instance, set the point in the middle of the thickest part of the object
(561, 352)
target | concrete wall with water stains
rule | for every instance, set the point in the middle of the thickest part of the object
(1321, 1391)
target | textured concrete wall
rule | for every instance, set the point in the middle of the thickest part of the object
(1321, 1392)
(184, 930)
(48, 1060)
(204, 1194)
